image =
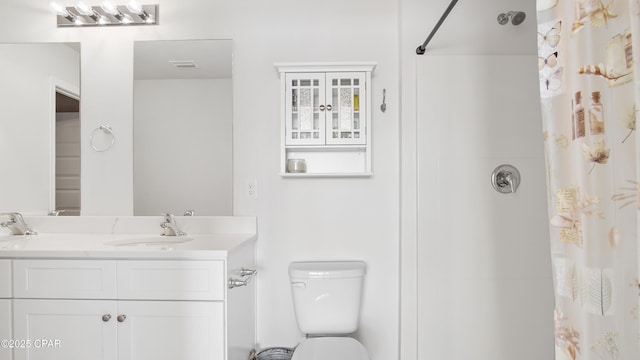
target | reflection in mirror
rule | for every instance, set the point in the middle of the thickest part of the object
(182, 127)
(32, 75)
(67, 150)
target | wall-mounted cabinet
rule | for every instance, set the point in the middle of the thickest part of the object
(326, 119)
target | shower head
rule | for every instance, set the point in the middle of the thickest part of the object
(517, 17)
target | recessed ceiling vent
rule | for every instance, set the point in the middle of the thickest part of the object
(183, 63)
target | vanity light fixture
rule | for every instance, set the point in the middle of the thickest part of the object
(112, 9)
(107, 14)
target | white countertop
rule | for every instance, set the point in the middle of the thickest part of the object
(121, 246)
(128, 238)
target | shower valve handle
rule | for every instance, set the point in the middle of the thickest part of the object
(505, 179)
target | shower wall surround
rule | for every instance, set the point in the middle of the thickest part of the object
(484, 271)
(475, 263)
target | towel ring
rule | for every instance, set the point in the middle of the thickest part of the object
(107, 130)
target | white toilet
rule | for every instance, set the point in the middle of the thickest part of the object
(326, 299)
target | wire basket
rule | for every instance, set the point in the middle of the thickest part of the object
(275, 353)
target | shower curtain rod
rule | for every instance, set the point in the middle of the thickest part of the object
(421, 49)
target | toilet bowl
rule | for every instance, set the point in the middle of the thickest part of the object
(326, 298)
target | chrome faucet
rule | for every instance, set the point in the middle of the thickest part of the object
(17, 225)
(170, 227)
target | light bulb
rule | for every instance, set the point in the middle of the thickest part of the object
(103, 20)
(110, 8)
(58, 8)
(83, 8)
(127, 19)
(134, 7)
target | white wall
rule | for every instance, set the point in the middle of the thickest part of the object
(476, 273)
(26, 98)
(298, 219)
(183, 146)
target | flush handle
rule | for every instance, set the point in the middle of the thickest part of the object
(298, 284)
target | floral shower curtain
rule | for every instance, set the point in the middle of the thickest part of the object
(588, 58)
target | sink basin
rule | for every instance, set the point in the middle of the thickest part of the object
(150, 241)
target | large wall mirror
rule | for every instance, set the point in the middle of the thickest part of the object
(183, 127)
(40, 127)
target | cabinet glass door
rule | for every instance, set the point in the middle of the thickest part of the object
(305, 109)
(346, 103)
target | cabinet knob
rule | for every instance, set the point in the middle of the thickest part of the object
(329, 107)
(121, 318)
(321, 107)
(106, 317)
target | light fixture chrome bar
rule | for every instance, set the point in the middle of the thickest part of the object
(100, 17)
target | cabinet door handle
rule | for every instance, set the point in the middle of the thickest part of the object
(122, 317)
(321, 107)
(106, 317)
(329, 107)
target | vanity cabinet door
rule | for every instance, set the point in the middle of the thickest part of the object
(170, 330)
(66, 329)
(5, 327)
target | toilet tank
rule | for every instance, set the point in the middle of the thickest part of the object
(326, 295)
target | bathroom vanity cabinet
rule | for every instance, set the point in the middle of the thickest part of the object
(126, 309)
(5, 307)
(143, 302)
(99, 329)
(326, 118)
(153, 309)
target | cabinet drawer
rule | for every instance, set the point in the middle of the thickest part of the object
(64, 279)
(171, 280)
(5, 278)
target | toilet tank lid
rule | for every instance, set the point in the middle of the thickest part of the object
(327, 269)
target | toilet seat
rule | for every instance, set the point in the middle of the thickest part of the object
(330, 348)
